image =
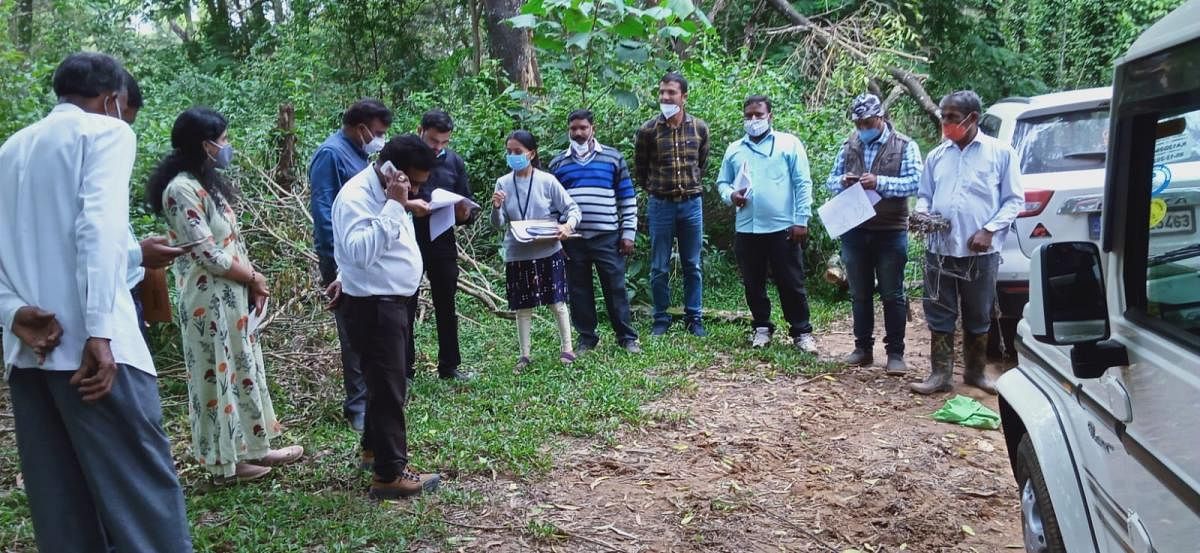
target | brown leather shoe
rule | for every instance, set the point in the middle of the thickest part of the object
(278, 457)
(368, 460)
(407, 484)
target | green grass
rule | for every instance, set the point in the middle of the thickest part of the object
(500, 423)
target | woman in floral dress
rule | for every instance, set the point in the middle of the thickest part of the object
(229, 408)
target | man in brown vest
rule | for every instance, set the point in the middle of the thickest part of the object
(886, 163)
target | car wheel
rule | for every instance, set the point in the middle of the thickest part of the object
(1040, 525)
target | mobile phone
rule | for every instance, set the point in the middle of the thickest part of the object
(388, 169)
(187, 245)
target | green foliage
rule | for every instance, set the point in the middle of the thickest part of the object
(600, 44)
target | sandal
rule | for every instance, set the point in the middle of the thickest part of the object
(522, 363)
(567, 358)
(243, 472)
(276, 457)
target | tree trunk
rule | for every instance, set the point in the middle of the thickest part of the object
(910, 81)
(513, 47)
(285, 128)
(280, 15)
(25, 25)
(476, 36)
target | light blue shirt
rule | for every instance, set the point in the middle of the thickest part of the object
(780, 183)
(978, 187)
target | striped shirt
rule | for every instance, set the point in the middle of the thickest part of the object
(603, 190)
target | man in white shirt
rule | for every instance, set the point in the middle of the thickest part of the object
(96, 462)
(380, 267)
(973, 181)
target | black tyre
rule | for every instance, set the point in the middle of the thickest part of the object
(1040, 525)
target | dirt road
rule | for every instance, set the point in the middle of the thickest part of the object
(846, 462)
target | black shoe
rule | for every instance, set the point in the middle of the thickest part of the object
(584, 347)
(455, 375)
(357, 421)
(660, 328)
(696, 328)
(632, 346)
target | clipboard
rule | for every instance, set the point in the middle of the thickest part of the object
(536, 230)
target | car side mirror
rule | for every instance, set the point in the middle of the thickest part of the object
(1067, 301)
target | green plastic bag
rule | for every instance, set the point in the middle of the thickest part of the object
(968, 412)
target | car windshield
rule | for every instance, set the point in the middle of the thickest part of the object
(1074, 141)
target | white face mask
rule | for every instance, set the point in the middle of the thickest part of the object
(669, 110)
(581, 150)
(374, 145)
(757, 127)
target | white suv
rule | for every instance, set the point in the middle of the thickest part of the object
(1061, 138)
(1100, 415)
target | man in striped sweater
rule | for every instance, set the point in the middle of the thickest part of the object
(598, 180)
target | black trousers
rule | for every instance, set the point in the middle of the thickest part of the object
(443, 286)
(377, 327)
(756, 253)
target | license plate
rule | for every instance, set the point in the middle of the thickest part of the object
(1094, 226)
(1177, 221)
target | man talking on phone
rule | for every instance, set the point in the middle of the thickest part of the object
(379, 270)
(881, 160)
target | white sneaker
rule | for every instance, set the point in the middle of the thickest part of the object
(806, 343)
(761, 337)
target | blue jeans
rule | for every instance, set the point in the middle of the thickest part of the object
(669, 221)
(99, 476)
(966, 282)
(603, 252)
(879, 256)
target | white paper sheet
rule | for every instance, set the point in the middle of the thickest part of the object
(441, 206)
(742, 180)
(847, 210)
(256, 320)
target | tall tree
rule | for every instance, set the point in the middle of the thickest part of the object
(512, 46)
(25, 25)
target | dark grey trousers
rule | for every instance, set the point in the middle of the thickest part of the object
(99, 476)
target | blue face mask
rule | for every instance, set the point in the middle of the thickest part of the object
(224, 155)
(517, 162)
(869, 135)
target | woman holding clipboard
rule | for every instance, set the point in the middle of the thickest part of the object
(535, 266)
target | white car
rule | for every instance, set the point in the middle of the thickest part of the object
(1100, 415)
(1062, 139)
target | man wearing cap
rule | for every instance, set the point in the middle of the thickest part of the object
(882, 160)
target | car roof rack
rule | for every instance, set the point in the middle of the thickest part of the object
(1014, 99)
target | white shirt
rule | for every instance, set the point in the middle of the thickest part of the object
(135, 273)
(373, 240)
(975, 188)
(64, 219)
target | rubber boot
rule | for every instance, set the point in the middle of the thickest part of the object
(941, 372)
(975, 359)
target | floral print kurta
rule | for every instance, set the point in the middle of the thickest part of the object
(228, 404)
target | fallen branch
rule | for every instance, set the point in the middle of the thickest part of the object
(911, 82)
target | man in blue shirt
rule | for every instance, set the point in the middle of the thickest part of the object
(973, 182)
(878, 158)
(340, 157)
(765, 175)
